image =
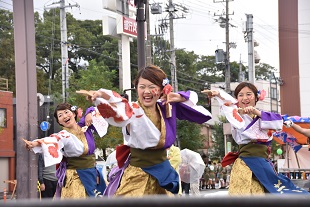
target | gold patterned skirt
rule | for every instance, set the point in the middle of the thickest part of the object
(242, 180)
(73, 188)
(135, 182)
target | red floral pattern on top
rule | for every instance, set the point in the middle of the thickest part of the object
(128, 109)
(118, 119)
(135, 105)
(116, 94)
(236, 115)
(228, 103)
(60, 135)
(53, 151)
(56, 136)
(106, 110)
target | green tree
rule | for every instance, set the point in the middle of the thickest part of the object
(218, 141)
(96, 76)
(218, 150)
(263, 71)
(189, 135)
(7, 66)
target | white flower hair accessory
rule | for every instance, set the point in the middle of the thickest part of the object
(165, 81)
(73, 108)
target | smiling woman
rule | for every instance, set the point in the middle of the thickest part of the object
(252, 171)
(73, 149)
(148, 132)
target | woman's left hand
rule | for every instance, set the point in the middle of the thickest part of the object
(88, 119)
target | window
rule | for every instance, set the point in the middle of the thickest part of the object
(273, 94)
(2, 117)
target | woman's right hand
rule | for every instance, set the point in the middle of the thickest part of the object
(30, 144)
(100, 94)
(211, 93)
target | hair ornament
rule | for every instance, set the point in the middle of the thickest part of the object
(165, 82)
(73, 108)
(261, 94)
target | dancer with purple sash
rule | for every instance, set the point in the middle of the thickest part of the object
(73, 148)
(252, 171)
(149, 128)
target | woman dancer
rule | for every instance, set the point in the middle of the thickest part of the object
(149, 128)
(73, 148)
(252, 171)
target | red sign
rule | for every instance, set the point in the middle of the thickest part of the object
(130, 26)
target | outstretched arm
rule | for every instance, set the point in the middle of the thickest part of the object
(221, 96)
(30, 144)
(297, 128)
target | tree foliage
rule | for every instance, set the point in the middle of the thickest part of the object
(7, 66)
(218, 151)
(189, 135)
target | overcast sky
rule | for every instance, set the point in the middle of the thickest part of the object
(198, 31)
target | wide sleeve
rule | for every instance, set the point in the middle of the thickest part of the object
(229, 109)
(82, 120)
(271, 120)
(259, 128)
(118, 111)
(189, 110)
(99, 123)
(58, 145)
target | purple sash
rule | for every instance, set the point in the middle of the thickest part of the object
(61, 175)
(115, 176)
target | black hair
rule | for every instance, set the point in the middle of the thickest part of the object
(64, 106)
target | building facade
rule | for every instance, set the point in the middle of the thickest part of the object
(294, 44)
(7, 152)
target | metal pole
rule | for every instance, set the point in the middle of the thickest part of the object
(148, 31)
(227, 74)
(172, 49)
(141, 33)
(64, 50)
(249, 30)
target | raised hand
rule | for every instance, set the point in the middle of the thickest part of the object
(288, 123)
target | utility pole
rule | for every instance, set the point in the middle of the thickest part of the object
(227, 59)
(140, 32)
(250, 40)
(171, 9)
(64, 51)
(241, 73)
(148, 37)
(26, 99)
(174, 79)
(64, 47)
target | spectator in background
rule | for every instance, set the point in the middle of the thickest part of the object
(211, 172)
(185, 178)
(47, 178)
